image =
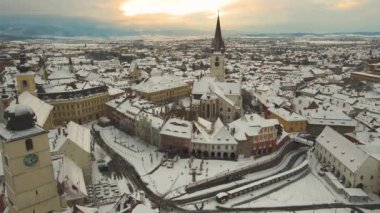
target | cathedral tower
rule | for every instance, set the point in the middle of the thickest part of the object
(217, 55)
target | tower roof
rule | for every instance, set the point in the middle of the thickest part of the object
(23, 66)
(19, 117)
(218, 43)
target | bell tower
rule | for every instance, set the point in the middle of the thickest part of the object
(25, 79)
(217, 55)
(28, 170)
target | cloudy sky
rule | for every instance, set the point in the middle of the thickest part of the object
(258, 16)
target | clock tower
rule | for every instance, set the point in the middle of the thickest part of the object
(29, 176)
(217, 56)
(25, 79)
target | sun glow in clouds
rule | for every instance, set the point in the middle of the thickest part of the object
(342, 4)
(172, 7)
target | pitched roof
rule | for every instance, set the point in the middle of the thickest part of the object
(70, 174)
(217, 42)
(346, 152)
(79, 135)
(213, 133)
(40, 108)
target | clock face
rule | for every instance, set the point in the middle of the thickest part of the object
(30, 160)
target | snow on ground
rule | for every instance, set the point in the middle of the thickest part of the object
(165, 179)
(143, 156)
(174, 179)
(247, 178)
(308, 190)
(123, 185)
(180, 174)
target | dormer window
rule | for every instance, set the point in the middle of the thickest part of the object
(28, 144)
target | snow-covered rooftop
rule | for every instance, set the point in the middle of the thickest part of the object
(349, 154)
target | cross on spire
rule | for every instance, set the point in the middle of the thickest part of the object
(218, 43)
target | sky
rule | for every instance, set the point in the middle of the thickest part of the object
(256, 16)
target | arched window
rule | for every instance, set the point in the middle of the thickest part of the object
(25, 83)
(28, 144)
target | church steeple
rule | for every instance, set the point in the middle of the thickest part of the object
(218, 43)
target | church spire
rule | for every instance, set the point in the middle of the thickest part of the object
(217, 42)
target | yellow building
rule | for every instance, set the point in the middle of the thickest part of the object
(25, 82)
(25, 77)
(162, 88)
(362, 76)
(28, 170)
(292, 122)
(77, 102)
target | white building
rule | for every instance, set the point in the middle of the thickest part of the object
(353, 166)
(213, 140)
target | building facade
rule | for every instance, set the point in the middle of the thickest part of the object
(162, 88)
(349, 163)
(78, 105)
(29, 176)
(176, 136)
(255, 135)
(291, 121)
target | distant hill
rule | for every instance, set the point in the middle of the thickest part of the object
(28, 27)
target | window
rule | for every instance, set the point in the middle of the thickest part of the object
(361, 177)
(36, 192)
(6, 160)
(28, 144)
(371, 177)
(24, 83)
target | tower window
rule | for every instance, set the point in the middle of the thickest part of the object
(6, 160)
(28, 144)
(217, 59)
(25, 83)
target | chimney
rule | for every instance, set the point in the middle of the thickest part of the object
(233, 131)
